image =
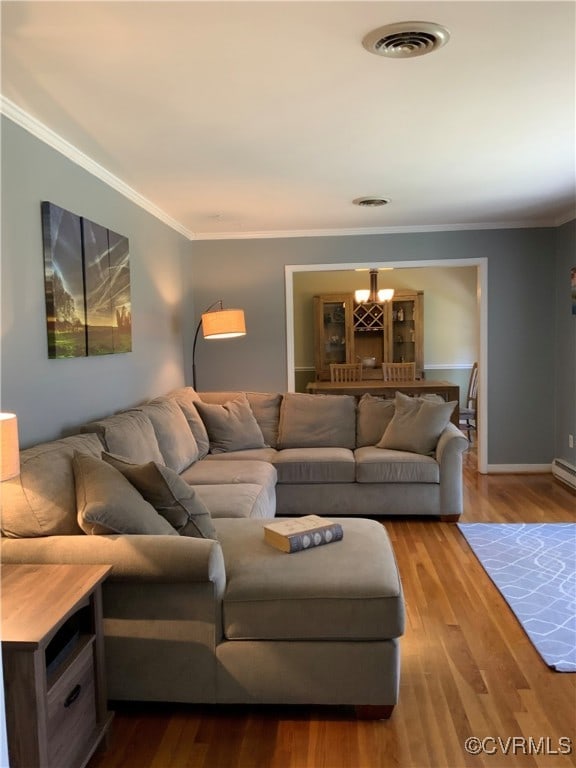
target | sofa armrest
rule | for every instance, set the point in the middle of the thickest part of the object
(451, 442)
(451, 445)
(160, 559)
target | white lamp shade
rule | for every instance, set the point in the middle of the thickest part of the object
(361, 295)
(385, 294)
(223, 324)
(9, 449)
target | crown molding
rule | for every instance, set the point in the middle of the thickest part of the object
(50, 137)
(408, 229)
(567, 216)
(54, 140)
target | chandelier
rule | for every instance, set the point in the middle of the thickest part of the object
(372, 294)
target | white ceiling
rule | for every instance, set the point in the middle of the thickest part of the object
(268, 118)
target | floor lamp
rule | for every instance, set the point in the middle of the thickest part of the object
(218, 324)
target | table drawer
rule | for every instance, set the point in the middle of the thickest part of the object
(71, 710)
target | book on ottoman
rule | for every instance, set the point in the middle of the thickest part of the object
(302, 533)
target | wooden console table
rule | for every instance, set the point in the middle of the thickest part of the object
(53, 663)
(445, 389)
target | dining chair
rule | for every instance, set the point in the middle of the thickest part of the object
(399, 371)
(345, 372)
(468, 413)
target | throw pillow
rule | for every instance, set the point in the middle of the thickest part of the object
(374, 415)
(129, 434)
(231, 426)
(107, 503)
(264, 405)
(416, 425)
(169, 494)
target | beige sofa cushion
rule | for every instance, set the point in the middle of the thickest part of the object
(224, 472)
(186, 397)
(381, 465)
(129, 434)
(317, 421)
(347, 590)
(373, 416)
(170, 496)
(315, 465)
(417, 424)
(175, 439)
(231, 426)
(238, 500)
(266, 409)
(107, 503)
(250, 454)
(236, 473)
(41, 501)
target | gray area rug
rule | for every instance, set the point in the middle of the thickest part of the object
(534, 568)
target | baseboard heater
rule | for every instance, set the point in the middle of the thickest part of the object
(565, 472)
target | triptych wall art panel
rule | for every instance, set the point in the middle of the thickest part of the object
(87, 279)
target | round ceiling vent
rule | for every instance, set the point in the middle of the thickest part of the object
(370, 202)
(406, 39)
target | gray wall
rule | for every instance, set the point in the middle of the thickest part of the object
(565, 343)
(521, 317)
(52, 397)
(530, 379)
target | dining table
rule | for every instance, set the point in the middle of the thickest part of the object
(378, 387)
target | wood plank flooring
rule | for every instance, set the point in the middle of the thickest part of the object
(468, 669)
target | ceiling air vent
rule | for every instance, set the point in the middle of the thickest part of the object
(406, 39)
(370, 202)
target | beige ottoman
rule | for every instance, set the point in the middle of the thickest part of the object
(319, 627)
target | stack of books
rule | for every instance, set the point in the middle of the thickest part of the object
(302, 533)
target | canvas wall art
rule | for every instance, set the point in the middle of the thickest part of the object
(119, 271)
(87, 277)
(64, 282)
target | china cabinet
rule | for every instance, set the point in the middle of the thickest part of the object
(371, 332)
(333, 332)
(406, 325)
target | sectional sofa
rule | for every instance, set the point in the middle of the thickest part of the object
(198, 607)
(329, 458)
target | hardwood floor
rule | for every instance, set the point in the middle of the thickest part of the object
(468, 670)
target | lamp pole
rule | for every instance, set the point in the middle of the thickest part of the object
(196, 339)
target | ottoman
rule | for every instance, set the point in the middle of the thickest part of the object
(317, 627)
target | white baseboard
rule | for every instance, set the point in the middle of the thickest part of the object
(524, 469)
(565, 472)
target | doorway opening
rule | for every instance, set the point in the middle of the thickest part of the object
(481, 267)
